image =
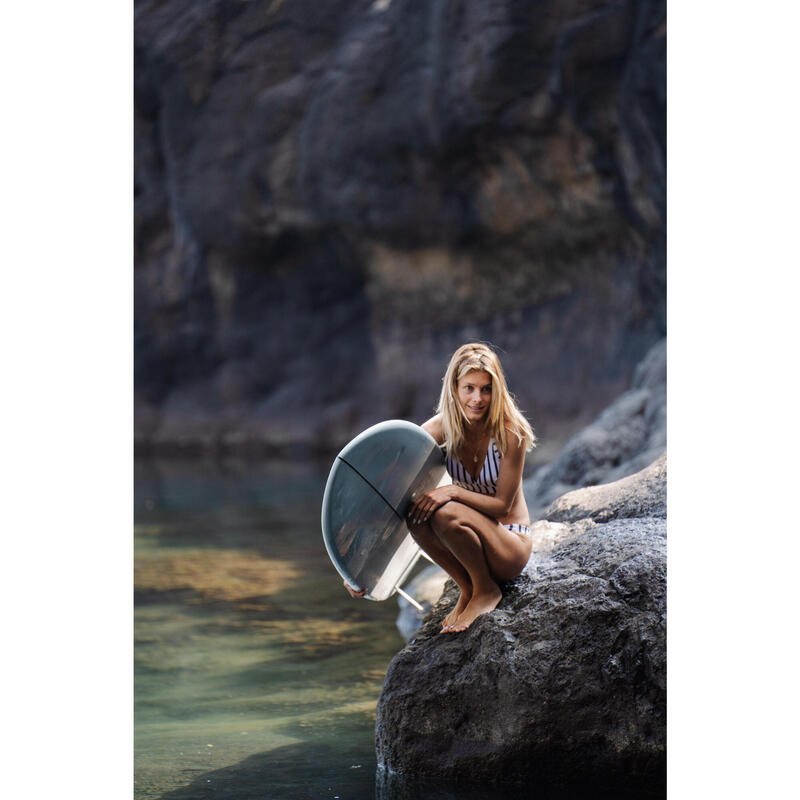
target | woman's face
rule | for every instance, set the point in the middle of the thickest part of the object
(474, 393)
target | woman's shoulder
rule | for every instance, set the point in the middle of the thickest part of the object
(434, 427)
(513, 442)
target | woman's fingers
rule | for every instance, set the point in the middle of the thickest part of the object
(418, 509)
(426, 511)
(352, 591)
(423, 508)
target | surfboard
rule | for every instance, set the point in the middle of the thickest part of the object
(370, 489)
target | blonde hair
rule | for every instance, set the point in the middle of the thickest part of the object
(503, 414)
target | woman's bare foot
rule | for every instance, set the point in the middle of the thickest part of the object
(458, 609)
(481, 603)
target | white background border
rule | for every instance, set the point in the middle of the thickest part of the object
(67, 255)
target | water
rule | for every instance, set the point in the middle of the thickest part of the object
(256, 675)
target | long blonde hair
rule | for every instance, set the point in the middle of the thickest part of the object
(503, 413)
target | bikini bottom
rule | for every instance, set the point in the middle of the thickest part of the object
(515, 527)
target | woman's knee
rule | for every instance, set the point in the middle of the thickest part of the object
(421, 531)
(448, 516)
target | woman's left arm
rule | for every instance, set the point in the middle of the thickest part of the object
(497, 506)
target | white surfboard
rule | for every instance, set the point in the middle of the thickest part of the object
(370, 489)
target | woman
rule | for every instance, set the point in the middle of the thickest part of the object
(476, 529)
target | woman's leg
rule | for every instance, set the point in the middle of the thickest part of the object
(487, 551)
(425, 537)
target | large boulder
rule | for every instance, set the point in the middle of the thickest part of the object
(625, 438)
(563, 686)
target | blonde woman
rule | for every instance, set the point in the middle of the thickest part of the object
(477, 528)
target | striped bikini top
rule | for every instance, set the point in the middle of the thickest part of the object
(487, 478)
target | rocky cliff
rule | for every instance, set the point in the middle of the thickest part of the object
(330, 197)
(625, 437)
(562, 688)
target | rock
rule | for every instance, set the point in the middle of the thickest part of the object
(563, 686)
(640, 495)
(630, 434)
(329, 198)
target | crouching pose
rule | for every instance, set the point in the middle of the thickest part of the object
(477, 528)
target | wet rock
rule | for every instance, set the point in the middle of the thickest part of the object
(563, 686)
(630, 434)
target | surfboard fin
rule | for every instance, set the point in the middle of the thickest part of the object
(409, 598)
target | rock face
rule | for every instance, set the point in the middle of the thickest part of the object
(641, 495)
(563, 686)
(626, 437)
(330, 197)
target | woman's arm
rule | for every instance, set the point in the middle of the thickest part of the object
(498, 506)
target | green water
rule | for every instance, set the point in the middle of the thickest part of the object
(256, 674)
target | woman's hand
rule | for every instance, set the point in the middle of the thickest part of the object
(353, 592)
(424, 506)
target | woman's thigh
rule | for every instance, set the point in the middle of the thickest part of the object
(506, 552)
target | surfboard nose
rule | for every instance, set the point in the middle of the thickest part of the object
(368, 493)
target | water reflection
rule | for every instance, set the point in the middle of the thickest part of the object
(255, 673)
